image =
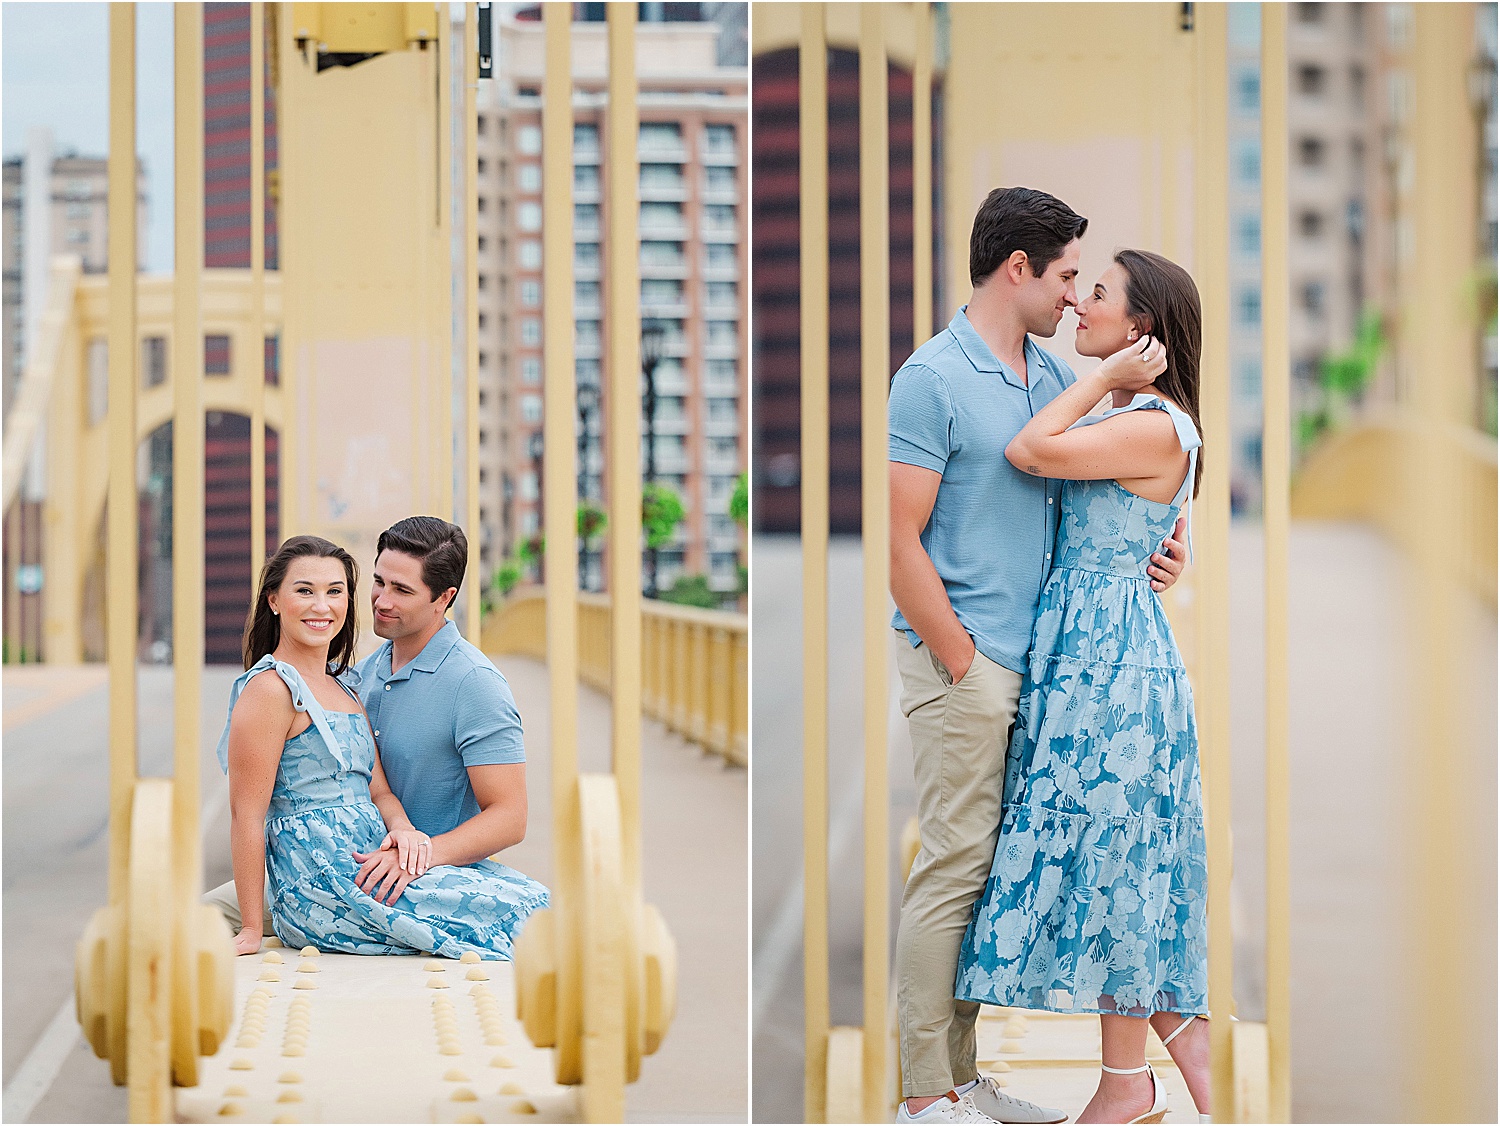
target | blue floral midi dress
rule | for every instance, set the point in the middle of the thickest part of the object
(1096, 901)
(321, 810)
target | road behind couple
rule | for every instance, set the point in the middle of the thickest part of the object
(1062, 861)
(365, 800)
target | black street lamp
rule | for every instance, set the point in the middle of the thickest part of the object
(588, 403)
(535, 447)
(653, 344)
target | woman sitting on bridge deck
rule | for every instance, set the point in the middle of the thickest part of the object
(308, 797)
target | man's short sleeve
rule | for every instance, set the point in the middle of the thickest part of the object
(486, 724)
(921, 418)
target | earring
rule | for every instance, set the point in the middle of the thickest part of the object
(276, 613)
(1132, 334)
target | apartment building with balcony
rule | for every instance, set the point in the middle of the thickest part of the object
(693, 217)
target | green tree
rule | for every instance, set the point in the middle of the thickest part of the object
(661, 512)
(739, 503)
(691, 590)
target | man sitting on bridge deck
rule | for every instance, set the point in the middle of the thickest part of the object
(443, 716)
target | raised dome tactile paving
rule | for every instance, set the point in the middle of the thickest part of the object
(1053, 1059)
(369, 1047)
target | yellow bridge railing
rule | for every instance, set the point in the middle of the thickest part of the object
(694, 663)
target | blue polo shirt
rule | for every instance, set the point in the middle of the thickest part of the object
(446, 710)
(954, 408)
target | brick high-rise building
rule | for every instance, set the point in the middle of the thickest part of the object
(693, 153)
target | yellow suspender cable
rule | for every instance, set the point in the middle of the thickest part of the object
(256, 372)
(1276, 515)
(813, 202)
(562, 601)
(471, 321)
(1212, 261)
(921, 175)
(875, 308)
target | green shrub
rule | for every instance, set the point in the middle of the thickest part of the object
(691, 590)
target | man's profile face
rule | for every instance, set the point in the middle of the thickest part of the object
(400, 600)
(1043, 300)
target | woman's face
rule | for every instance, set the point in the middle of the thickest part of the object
(1103, 326)
(312, 601)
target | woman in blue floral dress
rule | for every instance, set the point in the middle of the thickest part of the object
(1096, 900)
(307, 793)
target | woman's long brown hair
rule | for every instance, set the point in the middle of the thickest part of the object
(263, 628)
(1161, 295)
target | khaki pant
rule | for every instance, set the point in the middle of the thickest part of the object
(959, 734)
(227, 901)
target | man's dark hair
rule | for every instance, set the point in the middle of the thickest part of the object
(442, 547)
(1012, 219)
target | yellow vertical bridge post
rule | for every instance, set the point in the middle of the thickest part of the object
(595, 972)
(1275, 225)
(257, 290)
(471, 317)
(813, 204)
(152, 976)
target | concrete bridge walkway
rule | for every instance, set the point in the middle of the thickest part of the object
(55, 860)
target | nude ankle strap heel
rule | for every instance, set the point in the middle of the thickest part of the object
(1169, 1037)
(1158, 1109)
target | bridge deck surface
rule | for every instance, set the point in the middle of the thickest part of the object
(55, 857)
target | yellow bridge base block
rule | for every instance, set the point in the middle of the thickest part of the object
(1053, 1059)
(329, 1053)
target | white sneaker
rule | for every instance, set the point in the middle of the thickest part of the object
(995, 1104)
(949, 1108)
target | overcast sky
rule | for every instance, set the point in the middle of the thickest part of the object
(54, 72)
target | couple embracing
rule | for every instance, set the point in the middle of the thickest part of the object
(1062, 862)
(365, 800)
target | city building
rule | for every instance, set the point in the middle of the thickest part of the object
(693, 153)
(72, 220)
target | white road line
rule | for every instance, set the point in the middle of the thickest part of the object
(39, 1070)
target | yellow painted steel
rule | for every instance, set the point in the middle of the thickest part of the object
(471, 319)
(289, 77)
(120, 636)
(560, 525)
(1276, 377)
(624, 437)
(153, 975)
(1446, 941)
(440, 277)
(187, 520)
(921, 174)
(875, 518)
(813, 205)
(1211, 690)
(257, 290)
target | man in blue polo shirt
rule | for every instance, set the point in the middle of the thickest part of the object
(444, 718)
(971, 545)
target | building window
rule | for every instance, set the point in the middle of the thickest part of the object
(479, 126)
(1249, 306)
(661, 216)
(1310, 13)
(723, 294)
(1248, 381)
(661, 177)
(1357, 89)
(531, 331)
(216, 354)
(529, 140)
(530, 254)
(586, 255)
(1312, 81)
(1309, 224)
(273, 360)
(482, 167)
(1247, 162)
(660, 136)
(484, 281)
(1311, 151)
(484, 320)
(722, 333)
(154, 361)
(586, 333)
(531, 369)
(720, 178)
(719, 140)
(585, 177)
(661, 291)
(484, 437)
(1249, 234)
(586, 217)
(721, 255)
(723, 410)
(721, 371)
(484, 358)
(719, 217)
(531, 408)
(586, 294)
(529, 217)
(528, 486)
(1314, 299)
(587, 372)
(1247, 89)
(1305, 369)
(661, 254)
(531, 294)
(529, 177)
(585, 138)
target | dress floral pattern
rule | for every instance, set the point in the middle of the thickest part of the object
(1097, 897)
(320, 810)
